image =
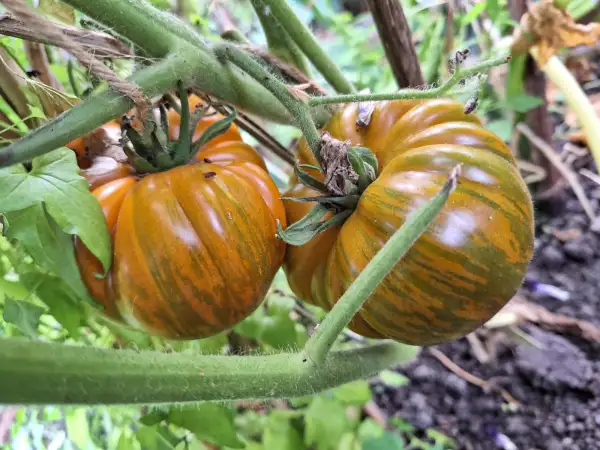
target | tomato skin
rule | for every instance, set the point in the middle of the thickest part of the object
(195, 249)
(470, 261)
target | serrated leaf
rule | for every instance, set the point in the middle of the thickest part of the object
(280, 434)
(23, 315)
(54, 180)
(209, 422)
(57, 9)
(151, 439)
(393, 379)
(326, 422)
(387, 441)
(50, 247)
(354, 393)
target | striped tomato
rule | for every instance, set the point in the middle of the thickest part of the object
(195, 249)
(470, 261)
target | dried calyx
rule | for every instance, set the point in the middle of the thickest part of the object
(348, 172)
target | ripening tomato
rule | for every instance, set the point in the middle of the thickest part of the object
(195, 249)
(470, 261)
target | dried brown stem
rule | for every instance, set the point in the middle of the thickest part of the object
(483, 384)
(38, 59)
(100, 44)
(397, 40)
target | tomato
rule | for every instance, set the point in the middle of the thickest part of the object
(470, 261)
(195, 249)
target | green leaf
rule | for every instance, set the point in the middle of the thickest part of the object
(24, 315)
(213, 345)
(301, 232)
(153, 417)
(326, 422)
(209, 422)
(64, 305)
(46, 243)
(393, 379)
(388, 441)
(370, 429)
(126, 441)
(278, 331)
(151, 439)
(77, 427)
(280, 434)
(523, 102)
(354, 393)
(54, 180)
(473, 13)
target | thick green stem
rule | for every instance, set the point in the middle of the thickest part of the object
(403, 94)
(298, 109)
(134, 18)
(285, 15)
(97, 110)
(46, 373)
(320, 343)
(279, 42)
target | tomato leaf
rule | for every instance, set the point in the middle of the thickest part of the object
(151, 439)
(209, 422)
(393, 379)
(280, 434)
(326, 422)
(23, 315)
(46, 243)
(64, 305)
(310, 225)
(54, 179)
(387, 441)
(355, 393)
(279, 331)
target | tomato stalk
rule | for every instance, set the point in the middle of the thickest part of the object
(35, 372)
(301, 35)
(445, 88)
(297, 108)
(321, 342)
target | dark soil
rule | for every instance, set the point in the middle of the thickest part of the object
(557, 381)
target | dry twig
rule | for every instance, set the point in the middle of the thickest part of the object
(485, 385)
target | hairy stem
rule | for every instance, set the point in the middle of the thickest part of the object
(97, 110)
(298, 109)
(403, 94)
(34, 372)
(279, 42)
(285, 15)
(320, 343)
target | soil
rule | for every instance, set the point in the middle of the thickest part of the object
(556, 380)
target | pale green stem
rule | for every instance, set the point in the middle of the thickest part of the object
(320, 343)
(278, 40)
(302, 36)
(34, 372)
(580, 103)
(97, 110)
(298, 109)
(403, 94)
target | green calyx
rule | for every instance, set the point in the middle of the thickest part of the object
(151, 150)
(355, 173)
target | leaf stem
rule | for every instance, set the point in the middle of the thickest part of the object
(35, 372)
(298, 109)
(403, 94)
(585, 112)
(320, 343)
(302, 36)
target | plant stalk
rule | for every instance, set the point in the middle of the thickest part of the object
(321, 342)
(403, 94)
(586, 114)
(34, 372)
(297, 108)
(302, 36)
